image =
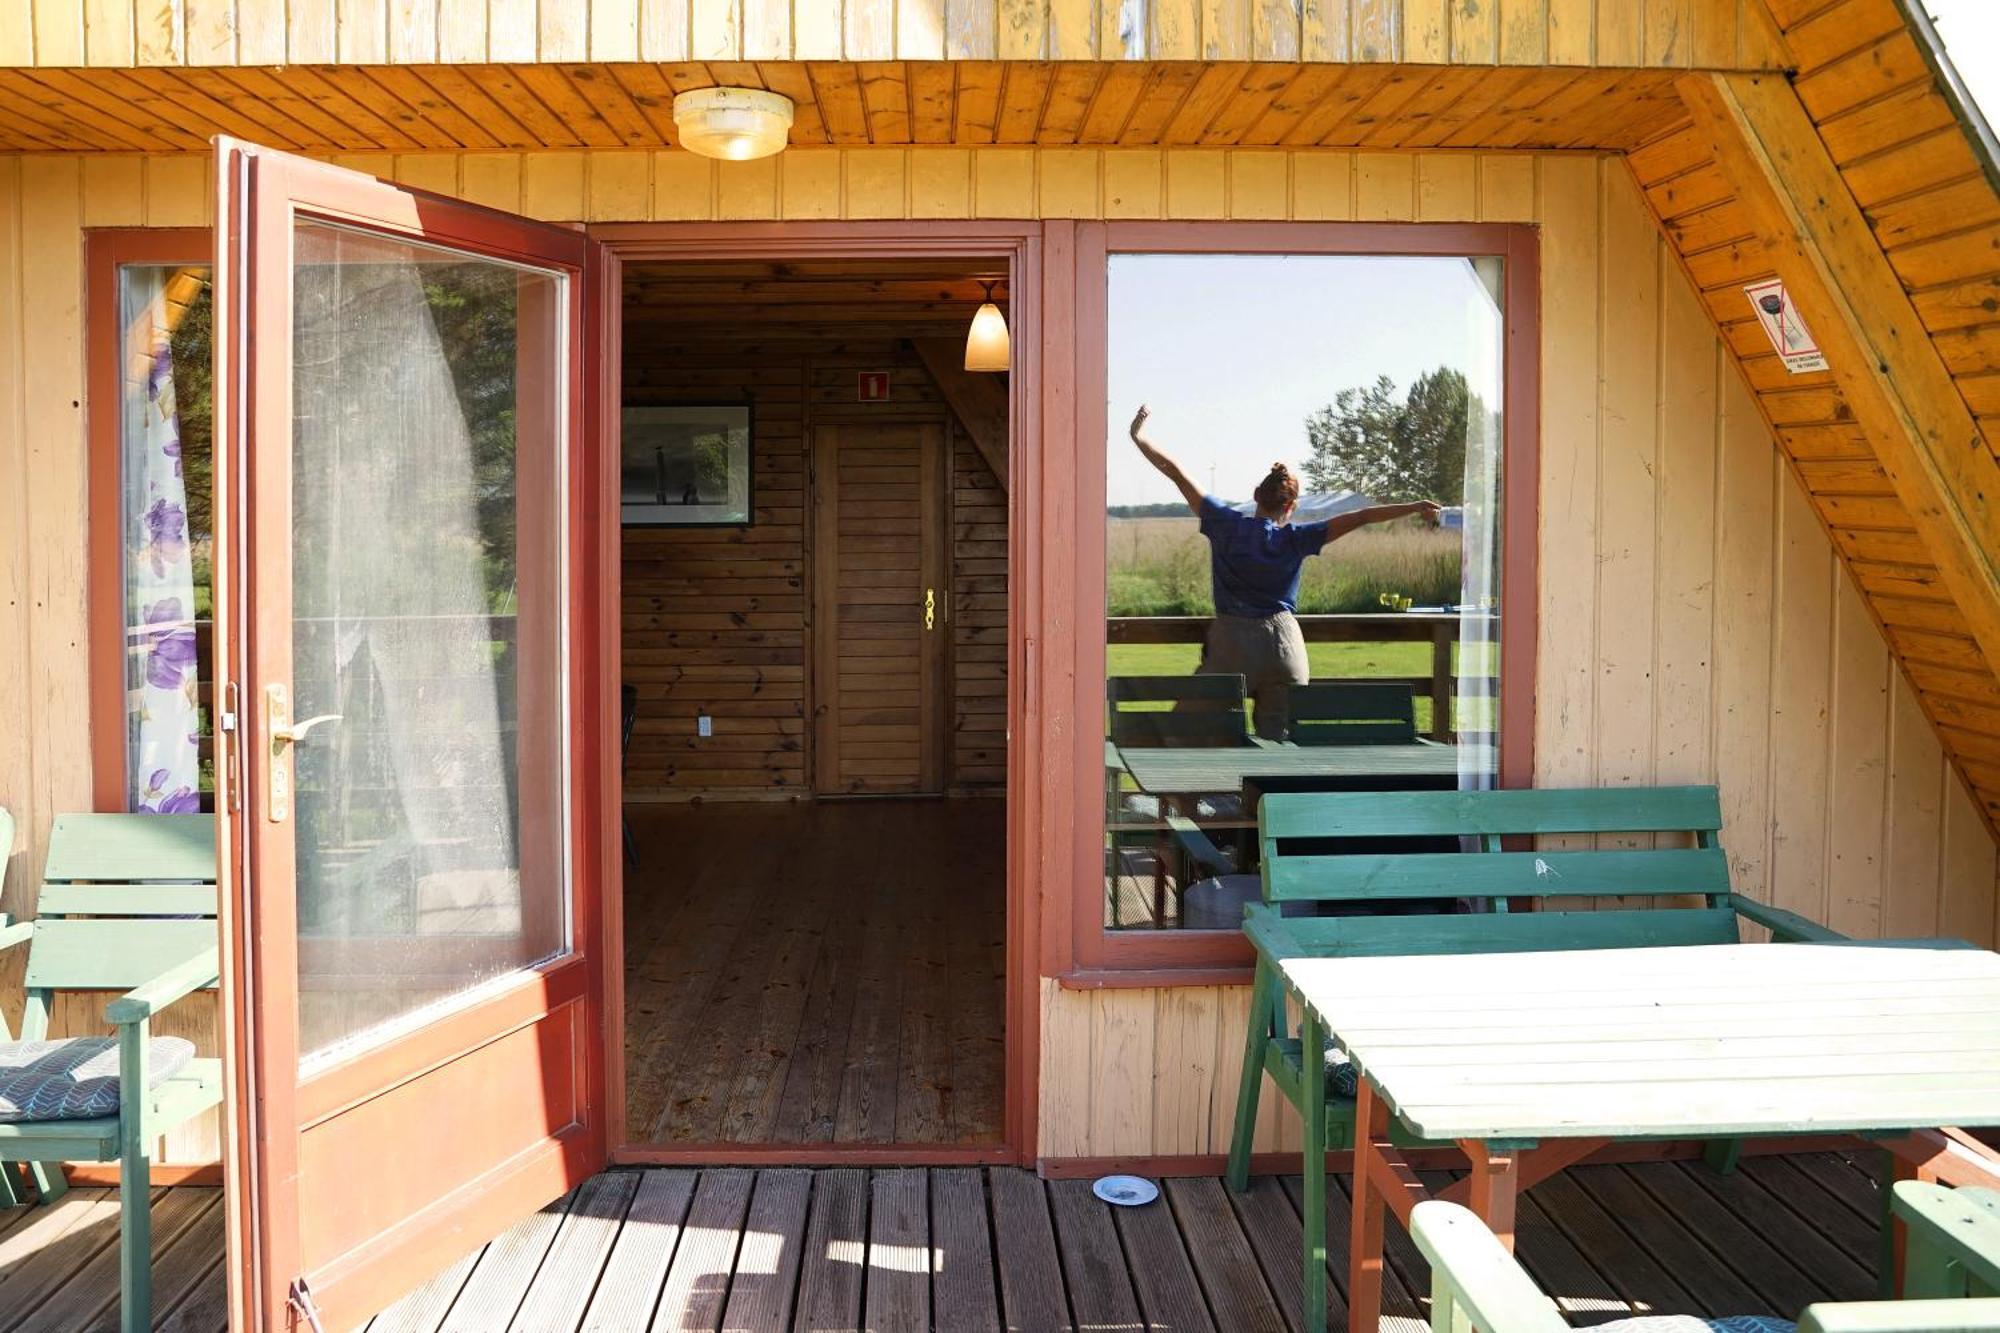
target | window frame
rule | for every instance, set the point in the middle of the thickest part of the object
(1083, 952)
(106, 250)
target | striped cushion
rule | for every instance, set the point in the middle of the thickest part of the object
(76, 1078)
(1689, 1323)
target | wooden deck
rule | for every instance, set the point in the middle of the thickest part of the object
(971, 1249)
(816, 973)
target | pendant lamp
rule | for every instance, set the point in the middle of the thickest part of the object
(986, 344)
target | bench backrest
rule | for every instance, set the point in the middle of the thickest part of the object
(1352, 712)
(1348, 848)
(1206, 710)
(124, 898)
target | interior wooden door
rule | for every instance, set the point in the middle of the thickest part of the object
(881, 602)
(421, 748)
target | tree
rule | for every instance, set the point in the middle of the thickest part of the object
(1367, 441)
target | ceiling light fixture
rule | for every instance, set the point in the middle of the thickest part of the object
(734, 124)
(987, 346)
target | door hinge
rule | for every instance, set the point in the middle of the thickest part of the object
(300, 1299)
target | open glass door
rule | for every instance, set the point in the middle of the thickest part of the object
(410, 563)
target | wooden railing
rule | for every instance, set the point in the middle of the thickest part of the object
(1440, 629)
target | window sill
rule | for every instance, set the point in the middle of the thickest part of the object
(1132, 978)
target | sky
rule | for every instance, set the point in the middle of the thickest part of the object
(1971, 32)
(1232, 352)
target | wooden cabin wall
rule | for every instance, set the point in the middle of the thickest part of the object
(135, 33)
(1695, 623)
(717, 620)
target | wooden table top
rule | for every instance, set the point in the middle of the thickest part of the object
(1635, 1043)
(1185, 771)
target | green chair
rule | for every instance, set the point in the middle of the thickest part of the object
(1341, 880)
(1952, 1267)
(1206, 711)
(127, 904)
(1202, 712)
(1352, 712)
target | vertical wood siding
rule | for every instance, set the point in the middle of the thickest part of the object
(1695, 624)
(1673, 33)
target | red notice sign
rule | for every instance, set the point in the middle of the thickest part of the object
(871, 386)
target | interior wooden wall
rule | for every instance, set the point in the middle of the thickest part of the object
(1674, 33)
(718, 620)
(1695, 622)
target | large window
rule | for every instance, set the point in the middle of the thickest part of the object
(1306, 562)
(152, 481)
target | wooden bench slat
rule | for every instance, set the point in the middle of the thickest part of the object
(1509, 932)
(111, 954)
(127, 900)
(131, 848)
(1372, 876)
(1535, 811)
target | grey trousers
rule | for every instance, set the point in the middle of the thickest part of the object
(1269, 652)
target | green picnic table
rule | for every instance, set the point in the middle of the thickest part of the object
(1532, 1061)
(1170, 771)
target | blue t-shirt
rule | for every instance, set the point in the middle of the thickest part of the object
(1254, 564)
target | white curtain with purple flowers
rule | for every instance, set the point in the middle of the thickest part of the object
(162, 681)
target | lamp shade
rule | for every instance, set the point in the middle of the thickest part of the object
(986, 344)
(734, 124)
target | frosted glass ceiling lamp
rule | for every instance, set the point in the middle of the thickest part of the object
(986, 343)
(734, 124)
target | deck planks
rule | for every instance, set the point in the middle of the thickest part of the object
(799, 974)
(977, 1250)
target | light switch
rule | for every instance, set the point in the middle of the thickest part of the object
(704, 725)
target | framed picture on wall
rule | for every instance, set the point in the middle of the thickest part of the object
(685, 466)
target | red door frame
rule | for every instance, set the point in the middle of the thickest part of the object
(1040, 528)
(556, 1006)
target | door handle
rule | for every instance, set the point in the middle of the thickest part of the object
(283, 731)
(930, 608)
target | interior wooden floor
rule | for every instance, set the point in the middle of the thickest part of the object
(898, 1251)
(816, 973)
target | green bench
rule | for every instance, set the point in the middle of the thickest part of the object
(1343, 873)
(127, 904)
(1950, 1278)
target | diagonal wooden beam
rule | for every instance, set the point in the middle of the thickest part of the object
(1876, 348)
(978, 400)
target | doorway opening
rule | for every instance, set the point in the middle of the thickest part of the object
(814, 607)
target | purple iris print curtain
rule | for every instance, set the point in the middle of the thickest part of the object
(162, 680)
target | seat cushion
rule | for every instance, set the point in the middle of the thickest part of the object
(1342, 1080)
(1689, 1323)
(76, 1078)
(1217, 903)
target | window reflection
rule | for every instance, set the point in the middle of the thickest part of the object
(1303, 533)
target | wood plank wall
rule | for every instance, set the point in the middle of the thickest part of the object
(1696, 623)
(1669, 33)
(717, 620)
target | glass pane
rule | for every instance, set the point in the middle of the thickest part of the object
(427, 538)
(1303, 559)
(166, 481)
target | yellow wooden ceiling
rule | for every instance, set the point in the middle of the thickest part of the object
(1871, 96)
(327, 108)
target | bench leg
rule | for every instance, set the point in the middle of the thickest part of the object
(50, 1182)
(10, 1190)
(135, 1239)
(1313, 1196)
(1251, 1084)
(1722, 1155)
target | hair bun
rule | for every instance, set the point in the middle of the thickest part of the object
(1280, 470)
